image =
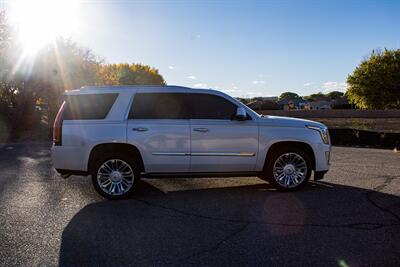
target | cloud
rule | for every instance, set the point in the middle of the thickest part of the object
(334, 86)
(192, 77)
(195, 36)
(258, 82)
(308, 84)
(171, 67)
(200, 85)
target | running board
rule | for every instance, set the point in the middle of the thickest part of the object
(199, 174)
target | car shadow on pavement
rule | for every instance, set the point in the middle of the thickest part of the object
(324, 224)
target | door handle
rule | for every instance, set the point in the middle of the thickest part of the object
(202, 130)
(140, 129)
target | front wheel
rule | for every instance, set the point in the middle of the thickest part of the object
(115, 177)
(288, 169)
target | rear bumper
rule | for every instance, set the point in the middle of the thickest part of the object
(68, 158)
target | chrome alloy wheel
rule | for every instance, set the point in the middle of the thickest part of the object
(115, 177)
(290, 170)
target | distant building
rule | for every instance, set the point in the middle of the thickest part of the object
(292, 104)
(317, 105)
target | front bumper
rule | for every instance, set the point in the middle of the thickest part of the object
(322, 154)
(319, 175)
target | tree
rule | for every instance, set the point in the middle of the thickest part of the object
(288, 95)
(128, 74)
(315, 97)
(60, 66)
(335, 95)
(375, 83)
(9, 83)
(26, 82)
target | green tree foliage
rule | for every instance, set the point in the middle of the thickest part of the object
(315, 97)
(288, 95)
(128, 74)
(335, 95)
(324, 97)
(375, 83)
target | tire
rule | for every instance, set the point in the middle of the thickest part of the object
(285, 166)
(115, 176)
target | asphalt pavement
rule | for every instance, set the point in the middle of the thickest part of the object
(351, 218)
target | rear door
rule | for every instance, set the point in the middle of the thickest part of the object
(158, 125)
(219, 143)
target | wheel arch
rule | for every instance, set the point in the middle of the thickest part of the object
(107, 148)
(299, 144)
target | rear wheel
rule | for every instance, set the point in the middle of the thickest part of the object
(115, 176)
(288, 169)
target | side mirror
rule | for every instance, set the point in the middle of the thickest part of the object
(241, 114)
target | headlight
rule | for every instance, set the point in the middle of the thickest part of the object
(323, 131)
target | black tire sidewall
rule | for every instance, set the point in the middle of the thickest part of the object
(275, 155)
(121, 156)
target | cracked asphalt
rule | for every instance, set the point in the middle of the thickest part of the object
(351, 218)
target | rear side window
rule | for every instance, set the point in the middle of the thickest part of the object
(213, 107)
(159, 106)
(88, 107)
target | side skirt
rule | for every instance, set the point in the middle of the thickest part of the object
(199, 174)
(72, 172)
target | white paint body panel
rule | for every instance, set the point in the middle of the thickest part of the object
(80, 137)
(234, 144)
(165, 146)
(171, 146)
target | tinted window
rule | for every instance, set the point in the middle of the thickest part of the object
(159, 106)
(204, 106)
(88, 107)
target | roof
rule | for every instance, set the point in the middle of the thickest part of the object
(140, 88)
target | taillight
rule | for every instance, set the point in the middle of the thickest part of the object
(57, 127)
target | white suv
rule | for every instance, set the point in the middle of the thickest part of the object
(119, 134)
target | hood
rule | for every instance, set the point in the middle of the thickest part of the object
(288, 122)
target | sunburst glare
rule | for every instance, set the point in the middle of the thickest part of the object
(41, 22)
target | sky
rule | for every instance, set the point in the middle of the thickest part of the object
(245, 48)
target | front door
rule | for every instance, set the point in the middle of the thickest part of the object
(218, 143)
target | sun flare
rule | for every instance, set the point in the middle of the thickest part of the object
(41, 22)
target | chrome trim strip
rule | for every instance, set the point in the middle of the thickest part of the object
(170, 154)
(241, 154)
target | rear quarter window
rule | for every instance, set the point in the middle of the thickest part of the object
(88, 107)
